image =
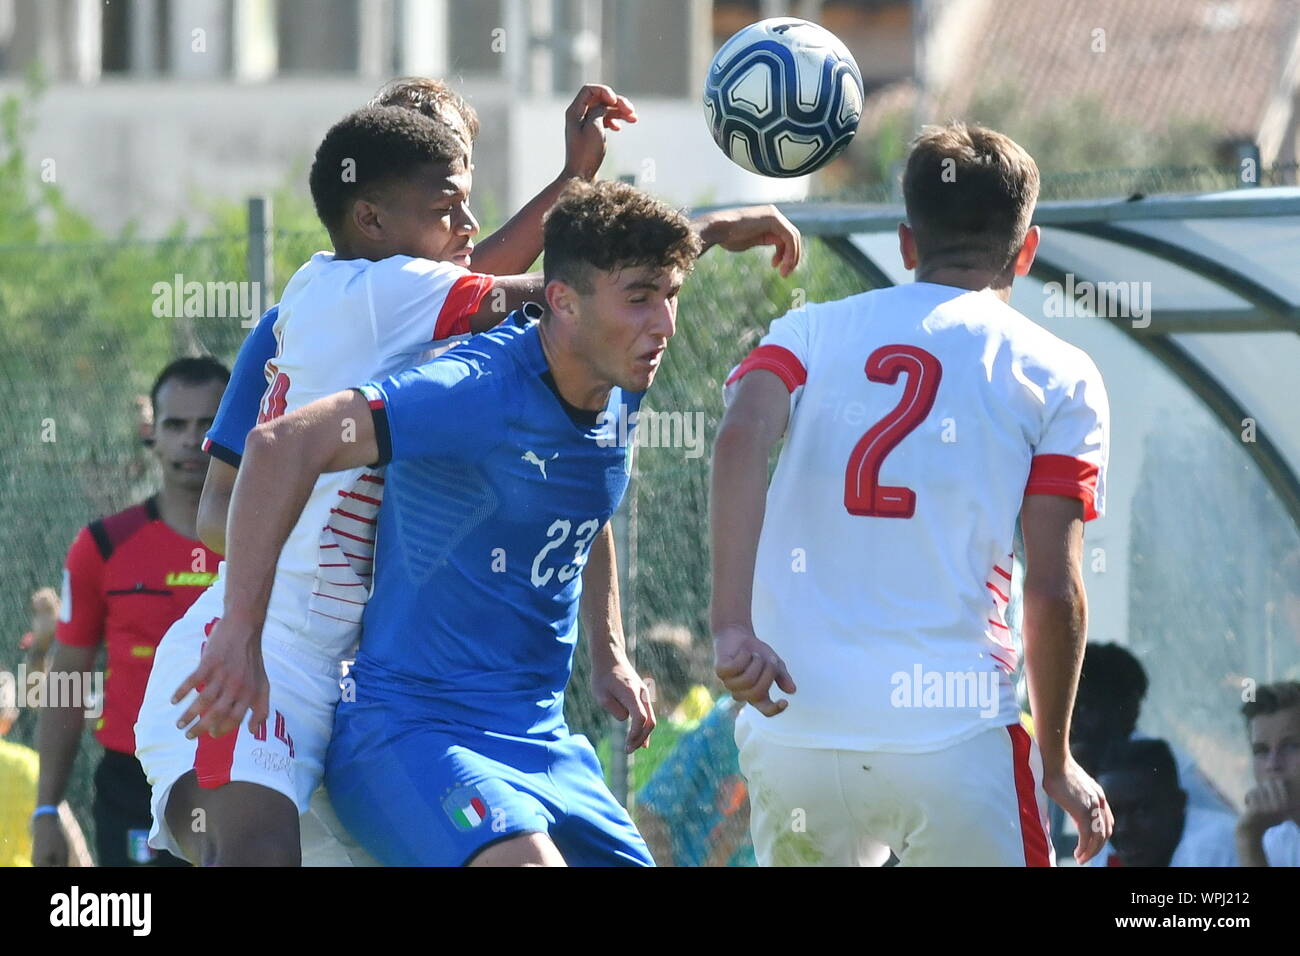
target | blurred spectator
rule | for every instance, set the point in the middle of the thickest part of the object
(694, 811)
(127, 578)
(1267, 834)
(1112, 686)
(1154, 824)
(42, 611)
(19, 769)
(680, 700)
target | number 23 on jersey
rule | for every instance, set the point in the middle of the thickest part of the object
(556, 535)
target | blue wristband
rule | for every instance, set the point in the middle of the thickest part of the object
(45, 811)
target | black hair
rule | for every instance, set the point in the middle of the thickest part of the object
(192, 370)
(1113, 669)
(608, 225)
(369, 149)
(1143, 756)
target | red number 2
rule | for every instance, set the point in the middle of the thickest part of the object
(863, 493)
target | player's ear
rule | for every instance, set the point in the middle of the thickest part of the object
(907, 246)
(1028, 249)
(367, 220)
(561, 299)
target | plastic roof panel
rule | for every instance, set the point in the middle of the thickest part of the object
(1101, 260)
(1254, 367)
(1265, 250)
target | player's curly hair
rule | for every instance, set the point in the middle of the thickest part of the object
(434, 98)
(606, 226)
(369, 149)
(970, 193)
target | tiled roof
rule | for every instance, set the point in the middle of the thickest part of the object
(1220, 61)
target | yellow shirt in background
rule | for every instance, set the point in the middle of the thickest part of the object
(19, 770)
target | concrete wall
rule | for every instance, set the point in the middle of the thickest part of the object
(152, 153)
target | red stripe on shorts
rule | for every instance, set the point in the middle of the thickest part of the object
(1032, 833)
(214, 757)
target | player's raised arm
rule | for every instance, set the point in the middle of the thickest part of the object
(739, 229)
(1055, 629)
(515, 246)
(754, 422)
(508, 293)
(282, 460)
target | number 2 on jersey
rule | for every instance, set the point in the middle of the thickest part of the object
(863, 492)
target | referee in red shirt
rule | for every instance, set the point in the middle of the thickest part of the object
(128, 576)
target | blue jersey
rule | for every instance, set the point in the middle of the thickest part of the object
(495, 490)
(237, 415)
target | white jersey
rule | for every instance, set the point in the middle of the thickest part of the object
(1282, 844)
(920, 417)
(342, 323)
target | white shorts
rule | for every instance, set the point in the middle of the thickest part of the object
(979, 802)
(287, 755)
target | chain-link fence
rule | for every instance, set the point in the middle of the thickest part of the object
(89, 325)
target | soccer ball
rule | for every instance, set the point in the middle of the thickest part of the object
(783, 97)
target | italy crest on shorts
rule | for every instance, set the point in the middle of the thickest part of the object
(466, 807)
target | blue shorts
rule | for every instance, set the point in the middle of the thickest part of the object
(415, 793)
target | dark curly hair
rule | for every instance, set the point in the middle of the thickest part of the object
(370, 148)
(607, 225)
(434, 98)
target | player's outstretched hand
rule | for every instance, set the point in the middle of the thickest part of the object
(747, 667)
(623, 694)
(595, 109)
(1083, 799)
(230, 680)
(739, 229)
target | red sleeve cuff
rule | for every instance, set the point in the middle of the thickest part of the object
(1067, 477)
(466, 295)
(775, 359)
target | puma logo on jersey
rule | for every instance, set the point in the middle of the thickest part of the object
(532, 459)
